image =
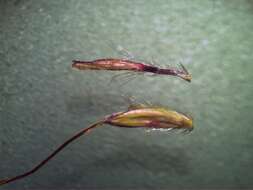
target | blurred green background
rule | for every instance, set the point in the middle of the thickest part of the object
(43, 101)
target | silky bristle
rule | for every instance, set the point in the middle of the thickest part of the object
(160, 129)
(180, 130)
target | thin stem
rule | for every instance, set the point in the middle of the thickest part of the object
(43, 162)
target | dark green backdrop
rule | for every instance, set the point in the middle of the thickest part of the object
(43, 101)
